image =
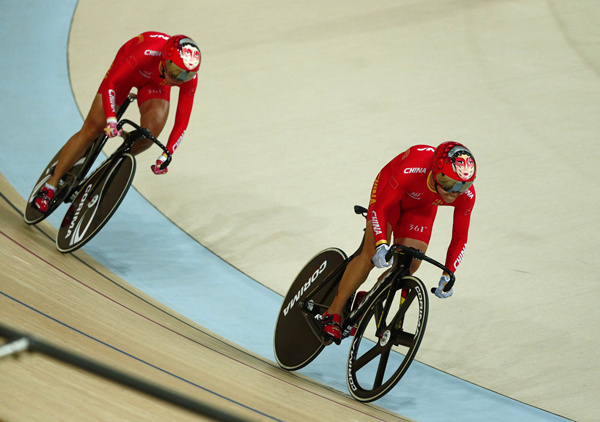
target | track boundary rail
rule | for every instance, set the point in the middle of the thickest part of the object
(18, 342)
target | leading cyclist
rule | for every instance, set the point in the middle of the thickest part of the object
(404, 202)
(152, 62)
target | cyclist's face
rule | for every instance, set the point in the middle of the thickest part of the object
(174, 75)
(447, 197)
(169, 79)
(172, 82)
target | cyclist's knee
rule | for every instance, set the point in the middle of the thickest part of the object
(364, 259)
(417, 244)
(414, 265)
(154, 114)
(90, 130)
(95, 121)
(83, 138)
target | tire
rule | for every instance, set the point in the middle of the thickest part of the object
(98, 199)
(296, 342)
(375, 368)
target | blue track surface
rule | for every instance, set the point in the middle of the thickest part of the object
(39, 113)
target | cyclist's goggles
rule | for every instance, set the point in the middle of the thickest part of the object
(178, 74)
(451, 185)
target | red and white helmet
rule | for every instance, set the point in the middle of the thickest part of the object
(181, 58)
(453, 167)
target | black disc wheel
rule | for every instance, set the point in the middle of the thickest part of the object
(297, 340)
(98, 199)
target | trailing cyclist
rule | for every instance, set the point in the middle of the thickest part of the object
(403, 206)
(152, 62)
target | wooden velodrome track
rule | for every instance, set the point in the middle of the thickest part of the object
(96, 314)
(299, 106)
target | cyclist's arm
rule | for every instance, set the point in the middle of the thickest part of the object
(118, 73)
(460, 231)
(182, 116)
(125, 72)
(386, 193)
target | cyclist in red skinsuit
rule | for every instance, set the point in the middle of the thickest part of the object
(152, 62)
(404, 202)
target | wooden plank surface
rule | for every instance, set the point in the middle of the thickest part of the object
(72, 302)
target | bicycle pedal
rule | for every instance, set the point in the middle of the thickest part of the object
(326, 342)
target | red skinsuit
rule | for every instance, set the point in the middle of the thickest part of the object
(402, 198)
(136, 65)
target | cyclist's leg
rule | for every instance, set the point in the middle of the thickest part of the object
(414, 229)
(80, 141)
(410, 228)
(413, 243)
(357, 271)
(360, 266)
(153, 102)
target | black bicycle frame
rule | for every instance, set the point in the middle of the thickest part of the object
(97, 146)
(390, 282)
(403, 257)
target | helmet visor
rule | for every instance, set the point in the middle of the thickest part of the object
(451, 185)
(178, 74)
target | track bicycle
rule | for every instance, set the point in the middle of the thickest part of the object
(94, 198)
(386, 324)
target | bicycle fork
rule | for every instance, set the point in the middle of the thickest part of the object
(398, 322)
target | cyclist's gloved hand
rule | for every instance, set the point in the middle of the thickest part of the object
(159, 161)
(379, 257)
(111, 129)
(439, 292)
